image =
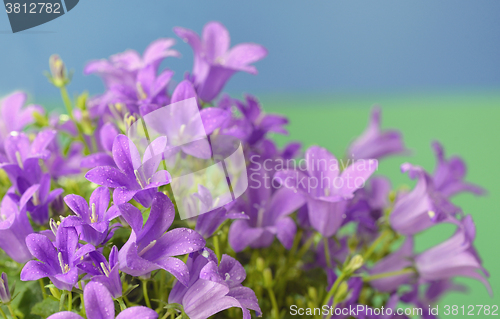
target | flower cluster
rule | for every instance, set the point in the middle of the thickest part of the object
(90, 213)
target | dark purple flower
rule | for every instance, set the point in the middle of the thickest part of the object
(421, 208)
(268, 214)
(4, 289)
(91, 222)
(14, 227)
(99, 305)
(449, 175)
(374, 143)
(454, 257)
(99, 270)
(398, 260)
(327, 189)
(150, 247)
(213, 288)
(214, 63)
(208, 223)
(58, 260)
(13, 118)
(132, 179)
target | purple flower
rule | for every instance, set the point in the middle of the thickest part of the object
(325, 188)
(99, 305)
(454, 257)
(132, 179)
(208, 223)
(150, 248)
(268, 214)
(99, 270)
(422, 207)
(57, 261)
(14, 227)
(374, 143)
(398, 260)
(4, 289)
(132, 81)
(214, 63)
(12, 117)
(449, 174)
(91, 222)
(213, 288)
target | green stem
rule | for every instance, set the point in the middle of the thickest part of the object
(11, 311)
(273, 302)
(70, 301)
(121, 303)
(332, 292)
(42, 286)
(389, 274)
(374, 245)
(82, 306)
(327, 252)
(69, 109)
(145, 293)
(61, 301)
(3, 313)
(215, 240)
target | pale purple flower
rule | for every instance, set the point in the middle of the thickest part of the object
(398, 260)
(107, 134)
(327, 189)
(214, 62)
(91, 221)
(421, 208)
(14, 227)
(212, 289)
(5, 296)
(449, 175)
(58, 260)
(453, 257)
(208, 223)
(13, 117)
(269, 215)
(375, 143)
(150, 247)
(132, 179)
(99, 305)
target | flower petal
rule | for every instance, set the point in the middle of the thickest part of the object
(98, 301)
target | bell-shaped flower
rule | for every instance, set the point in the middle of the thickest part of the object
(106, 136)
(449, 175)
(396, 261)
(13, 117)
(421, 208)
(213, 288)
(326, 189)
(5, 296)
(91, 221)
(58, 260)
(132, 179)
(375, 143)
(208, 223)
(453, 257)
(151, 247)
(99, 305)
(214, 62)
(268, 212)
(14, 227)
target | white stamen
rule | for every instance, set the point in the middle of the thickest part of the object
(19, 160)
(205, 253)
(431, 214)
(148, 247)
(53, 226)
(181, 130)
(228, 276)
(93, 217)
(138, 178)
(140, 91)
(105, 269)
(64, 267)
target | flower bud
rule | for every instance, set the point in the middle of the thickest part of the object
(4, 289)
(268, 278)
(342, 292)
(58, 71)
(260, 264)
(313, 293)
(355, 263)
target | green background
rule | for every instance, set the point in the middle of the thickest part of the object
(466, 123)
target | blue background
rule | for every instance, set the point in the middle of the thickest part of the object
(318, 47)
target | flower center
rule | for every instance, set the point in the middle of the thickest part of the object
(105, 269)
(64, 267)
(93, 216)
(148, 247)
(139, 178)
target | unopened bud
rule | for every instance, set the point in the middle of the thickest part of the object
(55, 292)
(81, 101)
(313, 293)
(268, 278)
(260, 264)
(342, 292)
(58, 71)
(4, 289)
(355, 263)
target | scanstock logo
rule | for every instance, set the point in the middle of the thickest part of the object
(25, 14)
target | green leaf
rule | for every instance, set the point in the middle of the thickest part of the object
(45, 308)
